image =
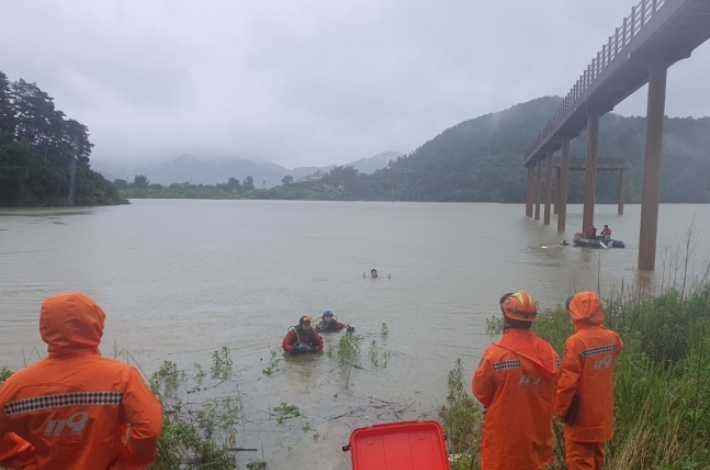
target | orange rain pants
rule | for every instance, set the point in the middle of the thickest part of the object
(584, 455)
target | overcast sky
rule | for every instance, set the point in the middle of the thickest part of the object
(307, 82)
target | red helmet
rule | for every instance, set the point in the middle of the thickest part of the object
(519, 306)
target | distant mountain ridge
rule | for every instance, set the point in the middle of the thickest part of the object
(199, 170)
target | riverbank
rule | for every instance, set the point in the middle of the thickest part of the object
(662, 384)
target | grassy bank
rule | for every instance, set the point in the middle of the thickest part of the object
(662, 385)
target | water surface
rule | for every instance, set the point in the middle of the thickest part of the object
(179, 279)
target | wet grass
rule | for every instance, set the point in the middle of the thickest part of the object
(196, 434)
(5, 372)
(662, 384)
(273, 365)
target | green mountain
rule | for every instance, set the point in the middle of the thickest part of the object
(481, 160)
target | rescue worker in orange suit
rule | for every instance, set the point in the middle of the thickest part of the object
(76, 410)
(515, 382)
(302, 338)
(585, 392)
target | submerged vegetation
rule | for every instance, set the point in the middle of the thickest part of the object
(196, 434)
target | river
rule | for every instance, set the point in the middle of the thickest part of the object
(180, 279)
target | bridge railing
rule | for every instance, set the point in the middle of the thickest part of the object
(632, 24)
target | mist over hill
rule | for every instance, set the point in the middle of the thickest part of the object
(481, 160)
(206, 170)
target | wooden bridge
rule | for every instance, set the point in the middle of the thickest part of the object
(656, 34)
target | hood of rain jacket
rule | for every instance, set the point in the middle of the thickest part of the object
(586, 309)
(526, 344)
(71, 323)
(76, 410)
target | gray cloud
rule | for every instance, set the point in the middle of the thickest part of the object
(305, 82)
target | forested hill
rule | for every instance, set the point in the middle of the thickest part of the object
(44, 158)
(480, 160)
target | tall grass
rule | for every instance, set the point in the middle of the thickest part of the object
(661, 382)
(462, 418)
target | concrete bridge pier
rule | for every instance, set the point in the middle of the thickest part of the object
(529, 197)
(563, 181)
(622, 190)
(590, 181)
(538, 188)
(652, 166)
(548, 187)
(555, 199)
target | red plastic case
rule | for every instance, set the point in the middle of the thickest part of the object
(407, 445)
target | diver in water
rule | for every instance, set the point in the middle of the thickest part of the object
(302, 338)
(329, 323)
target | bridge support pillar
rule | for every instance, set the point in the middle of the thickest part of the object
(622, 190)
(590, 182)
(652, 166)
(529, 198)
(538, 188)
(562, 193)
(548, 187)
(556, 200)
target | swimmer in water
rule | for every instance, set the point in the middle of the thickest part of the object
(373, 274)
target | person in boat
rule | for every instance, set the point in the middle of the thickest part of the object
(605, 233)
(329, 323)
(585, 391)
(76, 409)
(515, 382)
(591, 233)
(302, 338)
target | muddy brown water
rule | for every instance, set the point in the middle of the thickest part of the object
(180, 279)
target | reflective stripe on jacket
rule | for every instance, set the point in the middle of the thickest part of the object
(587, 371)
(516, 382)
(71, 411)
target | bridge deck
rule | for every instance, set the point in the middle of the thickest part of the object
(656, 30)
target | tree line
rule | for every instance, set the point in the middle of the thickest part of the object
(44, 156)
(142, 188)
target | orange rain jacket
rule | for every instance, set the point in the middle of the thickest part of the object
(515, 382)
(587, 371)
(70, 411)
